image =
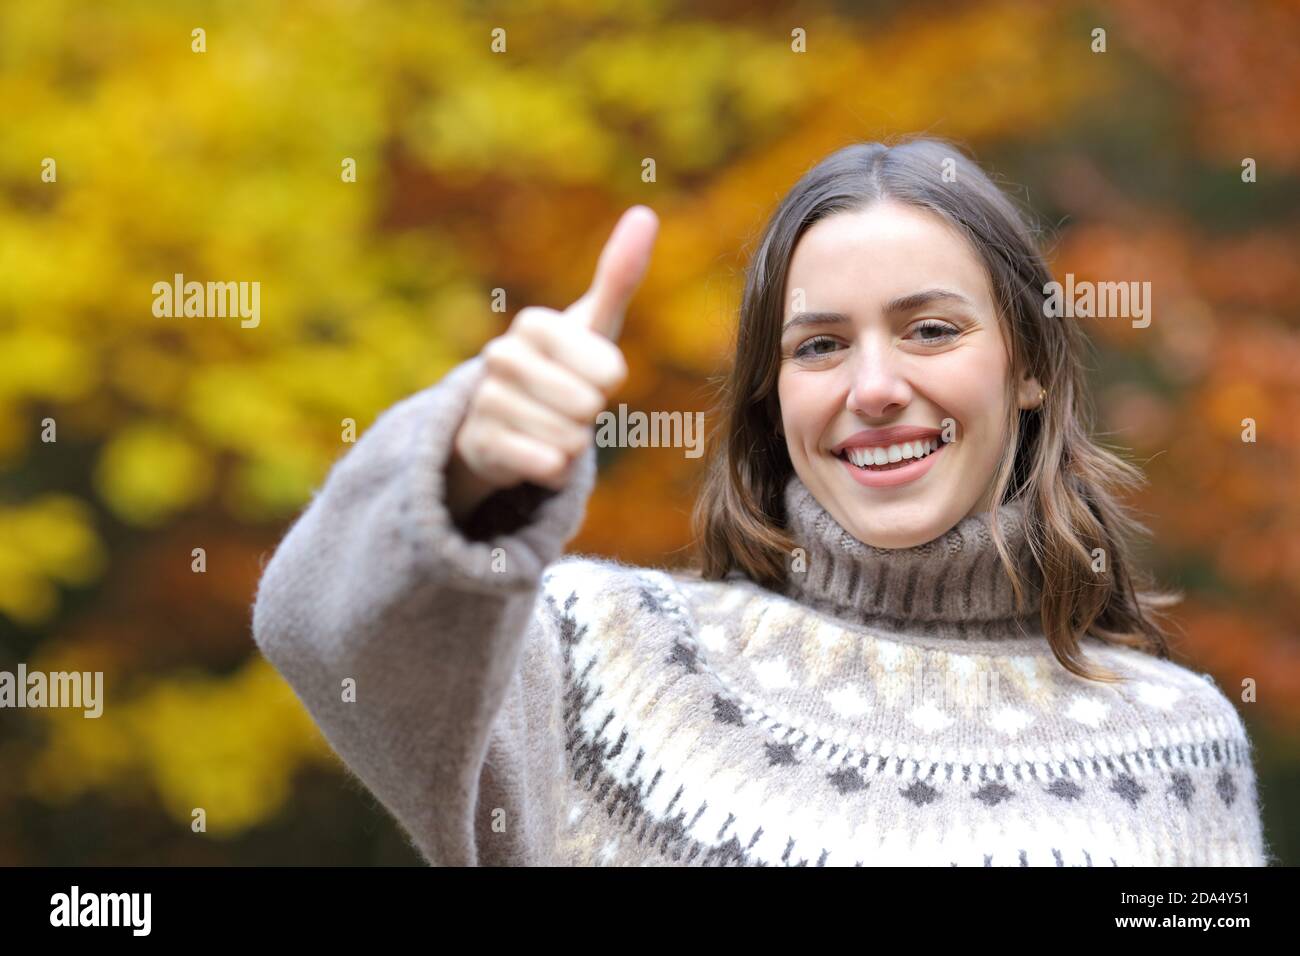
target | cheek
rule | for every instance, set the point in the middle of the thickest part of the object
(973, 393)
(805, 408)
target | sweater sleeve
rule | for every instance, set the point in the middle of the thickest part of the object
(403, 634)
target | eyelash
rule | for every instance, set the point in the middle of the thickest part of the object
(803, 351)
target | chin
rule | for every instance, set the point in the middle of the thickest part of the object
(895, 537)
(889, 528)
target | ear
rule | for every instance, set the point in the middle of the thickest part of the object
(1028, 392)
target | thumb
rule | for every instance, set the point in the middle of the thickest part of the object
(619, 271)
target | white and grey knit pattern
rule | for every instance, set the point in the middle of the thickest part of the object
(744, 730)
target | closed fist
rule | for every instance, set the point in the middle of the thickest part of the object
(547, 377)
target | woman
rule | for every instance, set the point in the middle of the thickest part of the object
(912, 635)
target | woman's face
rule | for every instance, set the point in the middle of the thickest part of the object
(889, 323)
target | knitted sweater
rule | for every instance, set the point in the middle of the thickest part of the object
(509, 704)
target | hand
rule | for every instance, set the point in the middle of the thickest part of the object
(547, 378)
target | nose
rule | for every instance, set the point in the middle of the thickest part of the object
(877, 389)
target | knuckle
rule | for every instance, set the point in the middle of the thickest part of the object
(575, 441)
(505, 356)
(607, 383)
(560, 474)
(532, 319)
(552, 470)
(573, 398)
(495, 351)
(617, 370)
(491, 397)
(609, 367)
(589, 403)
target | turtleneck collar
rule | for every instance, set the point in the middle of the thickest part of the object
(953, 587)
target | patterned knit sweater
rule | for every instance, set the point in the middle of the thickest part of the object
(510, 704)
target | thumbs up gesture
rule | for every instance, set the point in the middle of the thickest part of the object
(547, 378)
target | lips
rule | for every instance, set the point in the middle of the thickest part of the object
(896, 463)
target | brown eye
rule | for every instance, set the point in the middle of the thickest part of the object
(942, 331)
(809, 350)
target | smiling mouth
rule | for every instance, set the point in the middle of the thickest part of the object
(866, 459)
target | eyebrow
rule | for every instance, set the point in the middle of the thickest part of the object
(906, 303)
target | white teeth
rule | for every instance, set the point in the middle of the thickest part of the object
(864, 457)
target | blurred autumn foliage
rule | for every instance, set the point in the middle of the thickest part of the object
(477, 171)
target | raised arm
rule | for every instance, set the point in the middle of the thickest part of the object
(398, 607)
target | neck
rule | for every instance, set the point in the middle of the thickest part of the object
(953, 588)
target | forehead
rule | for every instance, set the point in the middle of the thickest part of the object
(882, 252)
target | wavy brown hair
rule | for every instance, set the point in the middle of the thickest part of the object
(1069, 482)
